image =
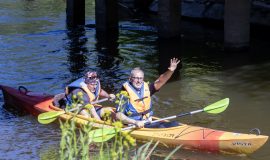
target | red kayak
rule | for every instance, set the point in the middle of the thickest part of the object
(190, 137)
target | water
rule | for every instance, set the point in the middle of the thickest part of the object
(37, 51)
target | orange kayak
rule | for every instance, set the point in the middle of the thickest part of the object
(190, 137)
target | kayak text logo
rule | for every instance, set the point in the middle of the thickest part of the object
(241, 144)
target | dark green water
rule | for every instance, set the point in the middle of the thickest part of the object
(37, 51)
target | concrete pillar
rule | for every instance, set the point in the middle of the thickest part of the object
(142, 5)
(169, 13)
(106, 15)
(237, 24)
(75, 11)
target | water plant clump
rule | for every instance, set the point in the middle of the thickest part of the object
(83, 143)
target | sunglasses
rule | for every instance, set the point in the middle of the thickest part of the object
(138, 78)
(91, 80)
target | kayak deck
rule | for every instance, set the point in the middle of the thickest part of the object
(190, 137)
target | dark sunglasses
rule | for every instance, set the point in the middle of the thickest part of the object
(92, 77)
(91, 80)
(138, 78)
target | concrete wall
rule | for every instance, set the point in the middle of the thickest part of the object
(214, 9)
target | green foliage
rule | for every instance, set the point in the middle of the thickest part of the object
(122, 98)
(75, 142)
(68, 144)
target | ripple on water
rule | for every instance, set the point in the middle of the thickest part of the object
(24, 137)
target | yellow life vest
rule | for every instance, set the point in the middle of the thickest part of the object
(139, 106)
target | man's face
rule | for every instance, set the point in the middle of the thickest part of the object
(92, 86)
(137, 79)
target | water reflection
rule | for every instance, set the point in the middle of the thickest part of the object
(183, 154)
(232, 60)
(51, 152)
(77, 51)
(107, 49)
(15, 111)
(107, 42)
(168, 49)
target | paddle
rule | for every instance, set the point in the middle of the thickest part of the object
(215, 108)
(48, 117)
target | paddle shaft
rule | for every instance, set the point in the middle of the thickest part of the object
(95, 102)
(99, 101)
(166, 118)
(214, 108)
(175, 116)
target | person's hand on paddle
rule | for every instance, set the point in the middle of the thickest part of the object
(111, 97)
(149, 120)
(139, 124)
(174, 63)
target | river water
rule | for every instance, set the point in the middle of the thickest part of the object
(39, 52)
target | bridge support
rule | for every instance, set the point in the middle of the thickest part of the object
(237, 24)
(169, 18)
(106, 15)
(75, 11)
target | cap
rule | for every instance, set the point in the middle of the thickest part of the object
(91, 77)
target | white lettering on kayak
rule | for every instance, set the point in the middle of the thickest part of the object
(241, 144)
(170, 135)
(236, 134)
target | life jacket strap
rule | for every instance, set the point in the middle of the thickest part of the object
(141, 113)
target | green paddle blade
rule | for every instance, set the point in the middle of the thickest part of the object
(103, 134)
(46, 121)
(49, 115)
(217, 107)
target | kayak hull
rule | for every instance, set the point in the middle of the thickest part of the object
(188, 136)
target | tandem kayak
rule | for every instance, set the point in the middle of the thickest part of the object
(190, 137)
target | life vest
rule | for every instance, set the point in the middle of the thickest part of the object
(139, 106)
(80, 84)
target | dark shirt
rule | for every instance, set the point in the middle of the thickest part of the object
(152, 89)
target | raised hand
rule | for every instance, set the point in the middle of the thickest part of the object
(174, 63)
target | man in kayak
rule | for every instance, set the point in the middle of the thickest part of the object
(90, 90)
(138, 108)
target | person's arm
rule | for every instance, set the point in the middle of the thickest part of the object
(124, 119)
(105, 94)
(86, 100)
(94, 113)
(163, 78)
